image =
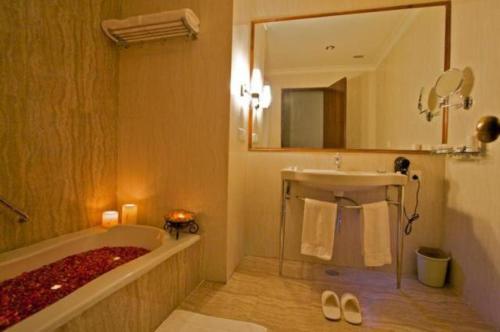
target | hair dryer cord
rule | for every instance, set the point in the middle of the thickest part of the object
(414, 216)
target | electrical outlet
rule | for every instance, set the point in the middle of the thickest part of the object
(242, 134)
(415, 173)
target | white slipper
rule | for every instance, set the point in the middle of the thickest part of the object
(351, 310)
(331, 305)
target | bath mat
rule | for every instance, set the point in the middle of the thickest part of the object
(187, 321)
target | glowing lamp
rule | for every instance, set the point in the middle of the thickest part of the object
(260, 94)
(266, 98)
(256, 82)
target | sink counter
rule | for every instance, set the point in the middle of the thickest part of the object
(328, 179)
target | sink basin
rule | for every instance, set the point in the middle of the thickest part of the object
(328, 179)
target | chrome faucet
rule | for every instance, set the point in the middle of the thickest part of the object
(338, 161)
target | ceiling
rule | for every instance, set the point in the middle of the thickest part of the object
(297, 45)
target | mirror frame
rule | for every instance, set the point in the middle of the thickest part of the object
(447, 54)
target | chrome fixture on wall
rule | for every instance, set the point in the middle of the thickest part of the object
(259, 93)
(451, 92)
(23, 217)
(338, 161)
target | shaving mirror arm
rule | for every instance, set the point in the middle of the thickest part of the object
(450, 92)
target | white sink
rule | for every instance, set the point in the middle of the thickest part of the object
(328, 179)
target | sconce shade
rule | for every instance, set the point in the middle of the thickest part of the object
(266, 98)
(256, 82)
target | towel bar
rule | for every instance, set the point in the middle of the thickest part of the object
(399, 203)
(355, 206)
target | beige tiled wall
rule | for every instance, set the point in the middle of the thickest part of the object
(473, 188)
(174, 123)
(240, 74)
(58, 117)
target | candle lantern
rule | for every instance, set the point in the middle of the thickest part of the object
(178, 220)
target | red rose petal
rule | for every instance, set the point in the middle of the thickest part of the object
(32, 291)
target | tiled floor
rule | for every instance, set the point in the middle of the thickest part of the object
(257, 294)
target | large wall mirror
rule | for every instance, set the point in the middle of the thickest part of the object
(348, 81)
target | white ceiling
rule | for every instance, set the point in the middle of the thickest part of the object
(300, 44)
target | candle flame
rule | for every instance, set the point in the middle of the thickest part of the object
(180, 215)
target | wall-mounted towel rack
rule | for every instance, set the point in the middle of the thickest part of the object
(168, 24)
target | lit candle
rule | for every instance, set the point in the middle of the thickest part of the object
(109, 219)
(129, 214)
(180, 216)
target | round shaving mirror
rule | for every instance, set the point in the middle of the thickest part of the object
(449, 83)
(432, 100)
(468, 84)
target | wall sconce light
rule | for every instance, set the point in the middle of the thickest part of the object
(266, 97)
(259, 93)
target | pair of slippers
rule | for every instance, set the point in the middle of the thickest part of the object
(347, 307)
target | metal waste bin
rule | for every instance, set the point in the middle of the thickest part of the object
(432, 265)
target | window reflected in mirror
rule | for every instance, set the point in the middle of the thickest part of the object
(349, 81)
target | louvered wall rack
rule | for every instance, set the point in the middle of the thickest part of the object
(162, 25)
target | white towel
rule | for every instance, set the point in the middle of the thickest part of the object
(376, 234)
(318, 228)
(187, 321)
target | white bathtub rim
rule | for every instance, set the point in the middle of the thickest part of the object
(83, 298)
(46, 245)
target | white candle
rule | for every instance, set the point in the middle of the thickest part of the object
(129, 214)
(109, 219)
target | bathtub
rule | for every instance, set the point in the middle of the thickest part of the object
(102, 299)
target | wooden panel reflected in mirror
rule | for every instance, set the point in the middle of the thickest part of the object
(334, 108)
(314, 117)
(350, 80)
